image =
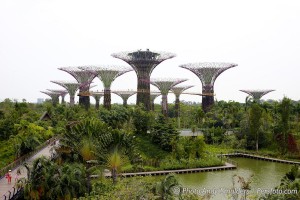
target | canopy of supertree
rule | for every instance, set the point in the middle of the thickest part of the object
(107, 74)
(71, 87)
(143, 62)
(208, 72)
(257, 94)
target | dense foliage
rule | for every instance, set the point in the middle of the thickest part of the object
(131, 140)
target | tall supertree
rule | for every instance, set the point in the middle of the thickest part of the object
(257, 94)
(61, 93)
(153, 96)
(178, 91)
(107, 74)
(97, 95)
(71, 87)
(208, 72)
(124, 95)
(84, 78)
(165, 85)
(54, 96)
(143, 62)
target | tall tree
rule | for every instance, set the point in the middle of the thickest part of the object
(255, 121)
(285, 111)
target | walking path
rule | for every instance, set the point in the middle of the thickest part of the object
(228, 166)
(260, 158)
(8, 190)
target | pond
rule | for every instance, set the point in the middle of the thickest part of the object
(266, 175)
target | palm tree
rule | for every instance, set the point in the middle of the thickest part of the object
(35, 185)
(47, 180)
(115, 160)
(168, 188)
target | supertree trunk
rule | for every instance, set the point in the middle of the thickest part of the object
(63, 100)
(97, 104)
(143, 90)
(125, 102)
(55, 101)
(84, 101)
(72, 100)
(152, 106)
(107, 99)
(177, 107)
(164, 105)
(207, 101)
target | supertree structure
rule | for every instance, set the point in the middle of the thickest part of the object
(107, 74)
(257, 94)
(124, 95)
(153, 96)
(97, 95)
(143, 62)
(61, 93)
(165, 85)
(208, 72)
(71, 87)
(178, 91)
(54, 96)
(84, 78)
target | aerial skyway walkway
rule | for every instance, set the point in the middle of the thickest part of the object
(8, 191)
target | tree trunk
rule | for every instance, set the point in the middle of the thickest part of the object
(63, 100)
(125, 102)
(107, 99)
(164, 104)
(177, 107)
(143, 89)
(72, 100)
(114, 175)
(207, 101)
(97, 103)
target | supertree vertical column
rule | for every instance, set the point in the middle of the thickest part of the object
(61, 93)
(107, 74)
(97, 96)
(124, 95)
(153, 96)
(257, 94)
(84, 78)
(143, 62)
(178, 91)
(54, 96)
(71, 87)
(165, 85)
(208, 73)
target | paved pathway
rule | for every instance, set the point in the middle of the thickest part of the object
(5, 187)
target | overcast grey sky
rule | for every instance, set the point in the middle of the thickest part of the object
(261, 36)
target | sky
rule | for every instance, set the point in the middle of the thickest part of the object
(262, 37)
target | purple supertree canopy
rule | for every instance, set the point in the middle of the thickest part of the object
(51, 94)
(208, 71)
(143, 62)
(257, 94)
(70, 86)
(124, 94)
(143, 56)
(177, 90)
(165, 84)
(82, 76)
(107, 73)
(61, 92)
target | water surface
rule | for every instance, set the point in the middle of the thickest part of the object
(266, 175)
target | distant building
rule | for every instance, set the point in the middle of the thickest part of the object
(40, 100)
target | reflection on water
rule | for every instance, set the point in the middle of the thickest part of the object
(267, 175)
